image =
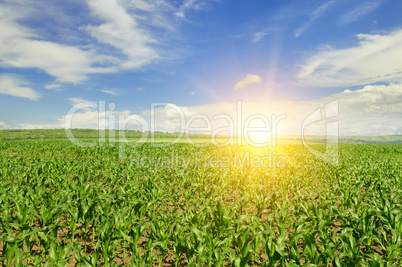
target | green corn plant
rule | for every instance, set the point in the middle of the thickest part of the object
(110, 210)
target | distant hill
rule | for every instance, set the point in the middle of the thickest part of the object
(385, 139)
(19, 134)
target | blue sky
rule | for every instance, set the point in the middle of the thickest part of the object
(199, 55)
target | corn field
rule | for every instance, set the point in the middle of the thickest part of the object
(183, 205)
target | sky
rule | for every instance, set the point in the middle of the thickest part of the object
(158, 63)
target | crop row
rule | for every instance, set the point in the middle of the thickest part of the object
(62, 205)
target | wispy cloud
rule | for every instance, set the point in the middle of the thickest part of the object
(157, 14)
(53, 86)
(188, 5)
(77, 100)
(110, 92)
(107, 36)
(247, 81)
(376, 58)
(372, 110)
(140, 4)
(20, 47)
(258, 36)
(359, 11)
(121, 31)
(119, 37)
(317, 13)
(10, 85)
(87, 119)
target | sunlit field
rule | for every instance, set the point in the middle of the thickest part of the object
(183, 205)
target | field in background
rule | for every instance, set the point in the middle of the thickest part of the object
(18, 134)
(184, 205)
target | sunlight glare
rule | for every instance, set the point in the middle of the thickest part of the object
(260, 137)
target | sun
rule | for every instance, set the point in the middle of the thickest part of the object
(260, 137)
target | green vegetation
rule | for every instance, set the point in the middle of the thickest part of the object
(17, 134)
(185, 205)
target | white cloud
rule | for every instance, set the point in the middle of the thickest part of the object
(53, 86)
(376, 58)
(27, 126)
(70, 47)
(3, 125)
(359, 11)
(110, 92)
(93, 119)
(192, 93)
(372, 110)
(187, 5)
(69, 55)
(152, 13)
(247, 81)
(77, 100)
(139, 4)
(258, 36)
(314, 16)
(10, 85)
(169, 118)
(86, 119)
(20, 47)
(122, 31)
